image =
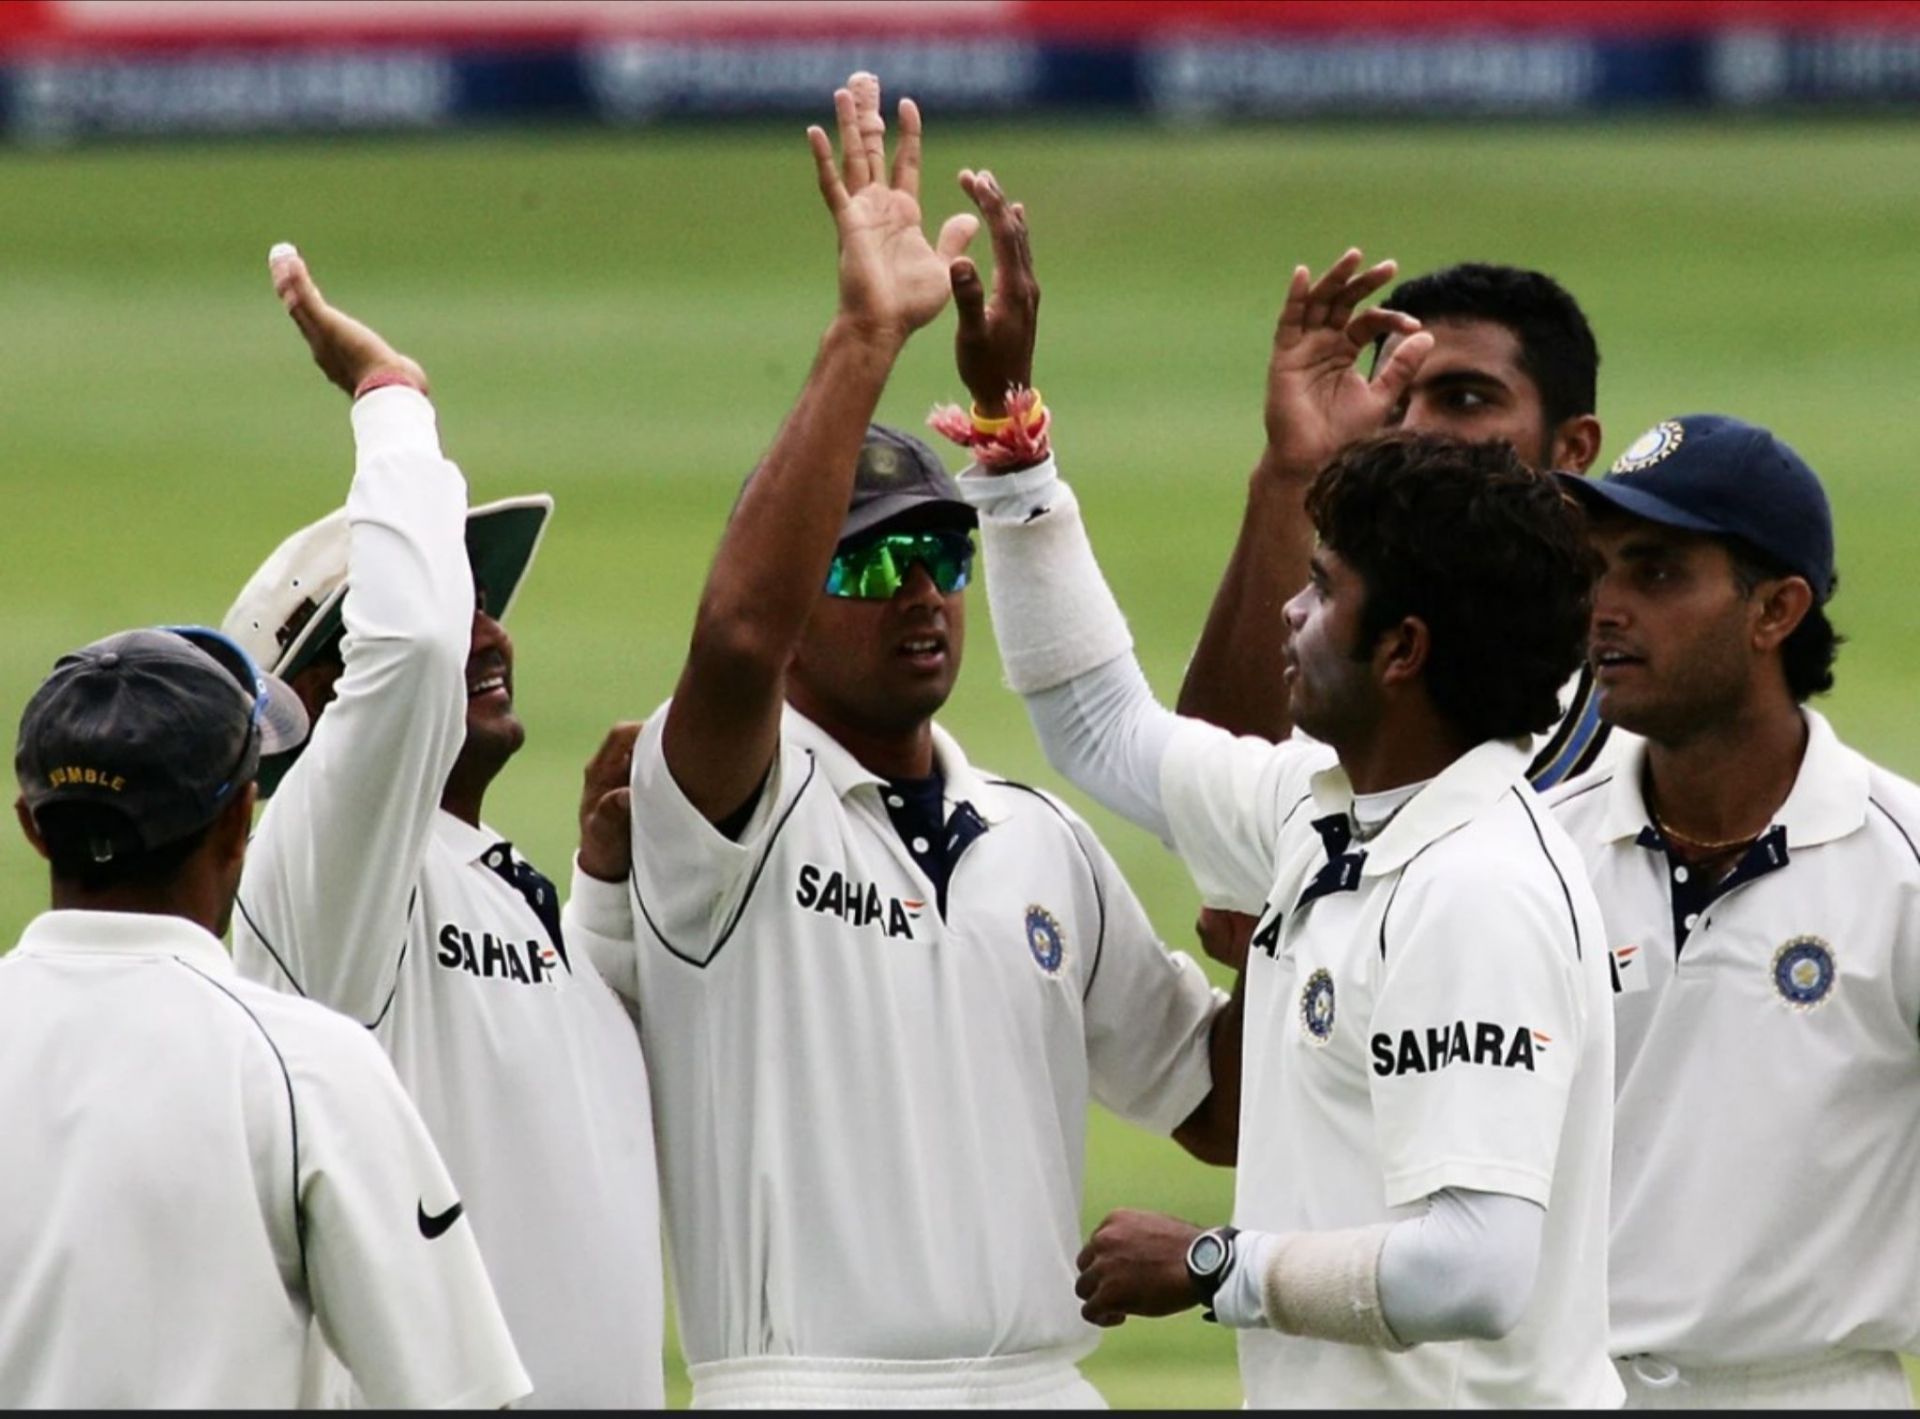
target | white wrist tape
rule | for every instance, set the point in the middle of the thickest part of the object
(1052, 612)
(1326, 1285)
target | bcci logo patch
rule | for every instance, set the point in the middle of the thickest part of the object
(1044, 939)
(1316, 1007)
(1652, 446)
(880, 462)
(1803, 972)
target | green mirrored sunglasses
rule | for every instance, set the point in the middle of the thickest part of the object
(874, 569)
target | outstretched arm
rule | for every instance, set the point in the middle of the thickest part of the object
(721, 734)
(331, 873)
(1317, 403)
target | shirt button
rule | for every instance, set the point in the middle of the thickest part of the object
(919, 844)
(894, 800)
(1679, 874)
(1692, 919)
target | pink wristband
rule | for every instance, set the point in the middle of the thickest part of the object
(380, 379)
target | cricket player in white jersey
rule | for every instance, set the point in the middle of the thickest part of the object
(1503, 353)
(1761, 887)
(374, 885)
(197, 1168)
(1421, 1196)
(879, 986)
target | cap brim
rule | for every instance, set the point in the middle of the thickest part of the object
(1618, 494)
(502, 538)
(908, 511)
(284, 725)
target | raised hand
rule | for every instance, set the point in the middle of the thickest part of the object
(993, 347)
(346, 350)
(1318, 402)
(606, 806)
(892, 281)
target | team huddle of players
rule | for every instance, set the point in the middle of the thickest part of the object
(1573, 1057)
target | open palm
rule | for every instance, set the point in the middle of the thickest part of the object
(891, 277)
(1318, 401)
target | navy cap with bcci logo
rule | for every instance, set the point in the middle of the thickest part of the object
(156, 727)
(1716, 474)
(900, 483)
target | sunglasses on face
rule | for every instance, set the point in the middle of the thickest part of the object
(875, 569)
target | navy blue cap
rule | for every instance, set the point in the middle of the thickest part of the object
(901, 484)
(1716, 474)
(154, 729)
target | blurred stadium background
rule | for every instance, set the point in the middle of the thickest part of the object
(595, 224)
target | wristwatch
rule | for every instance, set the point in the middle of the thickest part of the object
(1209, 1259)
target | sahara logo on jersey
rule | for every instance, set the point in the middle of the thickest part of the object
(857, 903)
(497, 958)
(1482, 1042)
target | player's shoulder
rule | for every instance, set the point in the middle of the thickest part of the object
(1893, 809)
(304, 1034)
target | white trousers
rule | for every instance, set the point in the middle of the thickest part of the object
(1843, 1379)
(1044, 1379)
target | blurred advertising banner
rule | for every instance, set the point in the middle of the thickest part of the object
(71, 69)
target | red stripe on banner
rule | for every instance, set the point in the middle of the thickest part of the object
(1600, 17)
(101, 25)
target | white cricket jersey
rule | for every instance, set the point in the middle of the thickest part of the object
(196, 1168)
(872, 1118)
(361, 893)
(1767, 1116)
(1427, 1009)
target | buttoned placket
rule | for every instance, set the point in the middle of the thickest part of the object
(1692, 894)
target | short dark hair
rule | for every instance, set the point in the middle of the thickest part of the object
(67, 829)
(1557, 348)
(1810, 650)
(1486, 551)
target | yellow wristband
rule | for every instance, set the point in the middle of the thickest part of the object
(983, 425)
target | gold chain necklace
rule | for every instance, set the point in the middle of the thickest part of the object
(1672, 835)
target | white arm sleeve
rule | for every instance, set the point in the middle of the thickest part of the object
(1106, 734)
(1065, 645)
(335, 858)
(599, 916)
(1462, 1270)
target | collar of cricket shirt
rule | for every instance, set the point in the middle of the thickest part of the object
(845, 773)
(1454, 797)
(125, 934)
(1827, 802)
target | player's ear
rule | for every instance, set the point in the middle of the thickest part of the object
(1782, 605)
(1575, 444)
(29, 827)
(1400, 655)
(228, 840)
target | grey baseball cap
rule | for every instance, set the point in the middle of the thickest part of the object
(901, 484)
(159, 727)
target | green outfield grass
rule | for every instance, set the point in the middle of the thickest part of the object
(622, 320)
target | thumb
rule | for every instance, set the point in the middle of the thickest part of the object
(969, 295)
(613, 814)
(955, 233)
(1398, 372)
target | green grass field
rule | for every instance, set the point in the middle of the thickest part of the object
(622, 320)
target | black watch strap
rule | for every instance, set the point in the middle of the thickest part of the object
(1206, 1280)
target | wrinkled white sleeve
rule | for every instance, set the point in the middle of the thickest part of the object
(1218, 799)
(690, 882)
(331, 871)
(1149, 1011)
(598, 918)
(397, 1283)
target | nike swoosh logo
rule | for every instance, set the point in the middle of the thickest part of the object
(432, 1225)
